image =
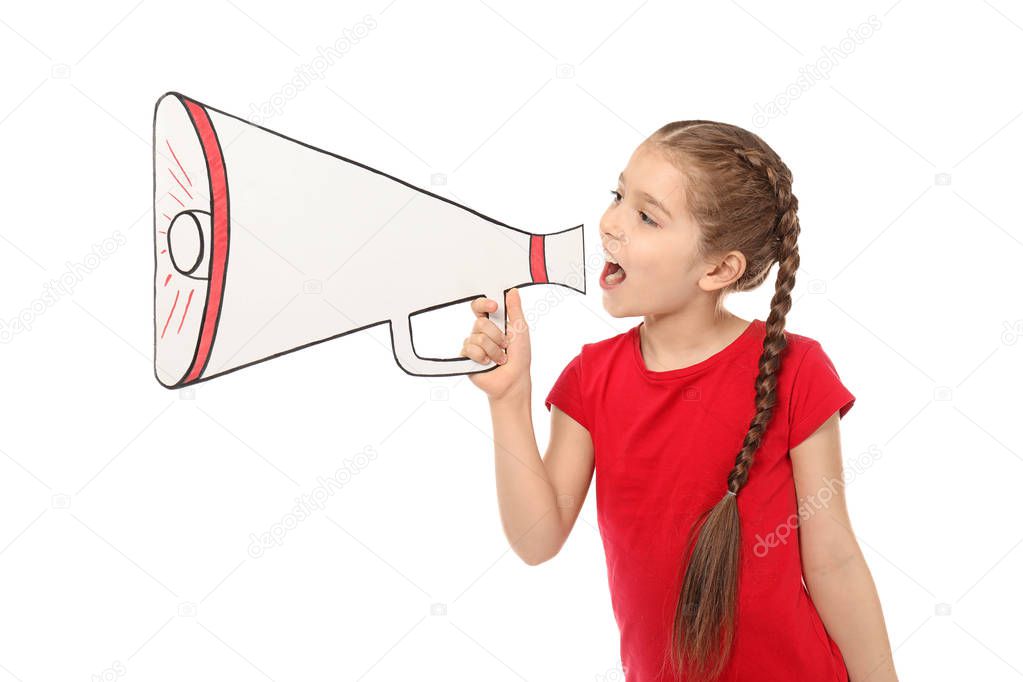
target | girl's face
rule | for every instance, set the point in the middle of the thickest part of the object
(648, 230)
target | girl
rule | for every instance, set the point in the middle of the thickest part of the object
(704, 430)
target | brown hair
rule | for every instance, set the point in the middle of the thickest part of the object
(739, 192)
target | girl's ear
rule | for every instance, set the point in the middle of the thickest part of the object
(728, 269)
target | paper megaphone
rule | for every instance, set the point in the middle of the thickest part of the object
(248, 221)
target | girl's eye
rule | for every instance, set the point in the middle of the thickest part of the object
(643, 216)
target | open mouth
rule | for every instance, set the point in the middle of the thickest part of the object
(612, 276)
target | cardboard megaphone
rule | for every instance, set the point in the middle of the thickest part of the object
(248, 222)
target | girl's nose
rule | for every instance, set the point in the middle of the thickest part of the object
(609, 230)
(611, 236)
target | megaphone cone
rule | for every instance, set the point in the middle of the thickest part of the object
(249, 223)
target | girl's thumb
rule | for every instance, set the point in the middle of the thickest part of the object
(514, 311)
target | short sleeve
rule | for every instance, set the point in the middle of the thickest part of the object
(817, 393)
(567, 392)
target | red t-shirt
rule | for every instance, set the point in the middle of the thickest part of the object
(664, 443)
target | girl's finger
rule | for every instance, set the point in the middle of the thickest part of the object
(487, 326)
(474, 352)
(517, 325)
(481, 306)
(488, 345)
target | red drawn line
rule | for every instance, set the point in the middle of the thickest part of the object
(167, 217)
(179, 183)
(179, 163)
(171, 314)
(166, 280)
(185, 314)
(162, 231)
(176, 199)
(214, 294)
(164, 251)
(537, 259)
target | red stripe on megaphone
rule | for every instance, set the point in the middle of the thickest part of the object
(537, 261)
(218, 252)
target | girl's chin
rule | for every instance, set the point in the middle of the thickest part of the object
(615, 309)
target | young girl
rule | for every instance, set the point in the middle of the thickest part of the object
(715, 440)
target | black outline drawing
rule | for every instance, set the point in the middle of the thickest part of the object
(227, 206)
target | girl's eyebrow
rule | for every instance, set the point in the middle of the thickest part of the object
(648, 198)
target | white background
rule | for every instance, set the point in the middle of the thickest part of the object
(128, 509)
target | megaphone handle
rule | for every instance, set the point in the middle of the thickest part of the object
(404, 352)
(498, 317)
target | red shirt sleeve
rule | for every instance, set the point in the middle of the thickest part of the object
(817, 393)
(567, 392)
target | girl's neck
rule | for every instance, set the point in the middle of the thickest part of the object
(673, 340)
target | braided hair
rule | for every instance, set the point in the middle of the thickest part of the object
(739, 192)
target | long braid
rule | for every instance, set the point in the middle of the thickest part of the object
(704, 624)
(786, 233)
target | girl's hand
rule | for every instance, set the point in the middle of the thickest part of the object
(511, 351)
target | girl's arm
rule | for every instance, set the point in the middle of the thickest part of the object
(539, 498)
(834, 569)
